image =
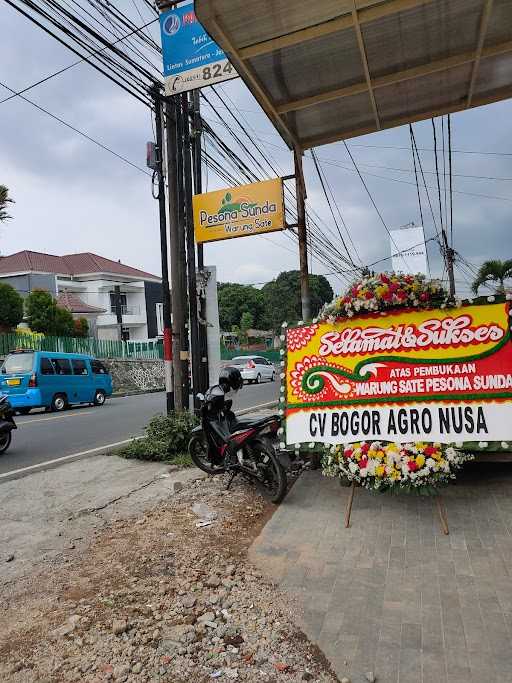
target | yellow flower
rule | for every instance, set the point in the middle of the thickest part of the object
(379, 471)
(395, 474)
(436, 455)
(381, 290)
(380, 455)
(420, 460)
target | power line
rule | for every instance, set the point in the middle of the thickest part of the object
(77, 130)
(70, 66)
(373, 201)
(451, 176)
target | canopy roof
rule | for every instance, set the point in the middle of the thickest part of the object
(325, 70)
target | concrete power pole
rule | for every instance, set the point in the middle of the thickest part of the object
(166, 294)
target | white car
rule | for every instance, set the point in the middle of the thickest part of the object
(254, 368)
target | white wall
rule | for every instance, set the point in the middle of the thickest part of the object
(213, 329)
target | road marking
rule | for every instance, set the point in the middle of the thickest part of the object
(55, 417)
(48, 463)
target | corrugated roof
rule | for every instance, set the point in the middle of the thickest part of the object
(70, 264)
(74, 304)
(334, 69)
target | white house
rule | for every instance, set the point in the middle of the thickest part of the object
(86, 285)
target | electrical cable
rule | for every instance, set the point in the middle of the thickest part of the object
(451, 176)
(77, 130)
(373, 202)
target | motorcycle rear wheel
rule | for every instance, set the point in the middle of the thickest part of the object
(5, 441)
(198, 451)
(272, 482)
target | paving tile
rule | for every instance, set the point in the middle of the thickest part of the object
(392, 593)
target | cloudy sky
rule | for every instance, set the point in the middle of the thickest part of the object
(72, 196)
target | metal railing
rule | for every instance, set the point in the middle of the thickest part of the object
(100, 348)
(126, 310)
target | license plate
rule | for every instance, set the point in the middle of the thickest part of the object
(14, 382)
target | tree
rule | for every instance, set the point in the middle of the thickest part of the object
(235, 300)
(4, 200)
(81, 327)
(11, 307)
(282, 297)
(43, 315)
(246, 323)
(493, 272)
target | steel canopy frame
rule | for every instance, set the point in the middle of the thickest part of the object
(334, 69)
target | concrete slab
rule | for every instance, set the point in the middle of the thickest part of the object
(392, 594)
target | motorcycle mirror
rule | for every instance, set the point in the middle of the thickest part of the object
(200, 397)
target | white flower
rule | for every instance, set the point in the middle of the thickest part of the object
(315, 320)
(284, 325)
(282, 375)
(280, 431)
(333, 449)
(353, 467)
(491, 298)
(312, 444)
(458, 444)
(301, 322)
(281, 351)
(431, 463)
(281, 390)
(281, 412)
(282, 399)
(364, 472)
(508, 296)
(504, 444)
(482, 444)
(470, 301)
(282, 337)
(451, 454)
(282, 365)
(297, 446)
(282, 445)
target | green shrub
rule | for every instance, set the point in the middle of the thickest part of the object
(166, 439)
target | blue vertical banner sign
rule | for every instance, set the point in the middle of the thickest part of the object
(191, 58)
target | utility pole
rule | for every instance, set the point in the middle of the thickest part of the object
(191, 257)
(176, 220)
(166, 293)
(198, 188)
(450, 260)
(303, 235)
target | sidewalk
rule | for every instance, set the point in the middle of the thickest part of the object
(392, 595)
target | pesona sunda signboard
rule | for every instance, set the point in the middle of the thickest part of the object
(441, 375)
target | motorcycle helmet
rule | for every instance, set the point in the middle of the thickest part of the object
(230, 379)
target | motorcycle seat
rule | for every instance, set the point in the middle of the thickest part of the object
(248, 422)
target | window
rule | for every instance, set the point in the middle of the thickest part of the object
(18, 362)
(79, 367)
(61, 366)
(98, 368)
(46, 366)
(260, 361)
(113, 301)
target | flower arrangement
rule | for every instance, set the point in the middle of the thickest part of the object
(383, 291)
(409, 467)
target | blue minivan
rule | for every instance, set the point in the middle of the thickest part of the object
(52, 380)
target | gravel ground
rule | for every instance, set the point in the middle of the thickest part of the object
(159, 598)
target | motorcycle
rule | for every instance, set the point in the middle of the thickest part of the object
(7, 424)
(224, 444)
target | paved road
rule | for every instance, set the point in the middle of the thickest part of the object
(41, 436)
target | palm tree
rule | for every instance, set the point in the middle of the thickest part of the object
(493, 272)
(4, 200)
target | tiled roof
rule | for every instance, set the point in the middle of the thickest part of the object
(69, 264)
(74, 303)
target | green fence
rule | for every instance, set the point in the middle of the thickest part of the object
(100, 348)
(273, 356)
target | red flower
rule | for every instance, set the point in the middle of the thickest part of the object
(428, 451)
(412, 466)
(368, 295)
(348, 453)
(365, 448)
(384, 278)
(424, 296)
(393, 286)
(363, 463)
(401, 294)
(387, 296)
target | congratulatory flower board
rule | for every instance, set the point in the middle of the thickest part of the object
(440, 375)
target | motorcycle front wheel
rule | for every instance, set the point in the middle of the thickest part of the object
(5, 441)
(271, 478)
(198, 451)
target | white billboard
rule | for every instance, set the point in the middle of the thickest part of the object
(408, 250)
